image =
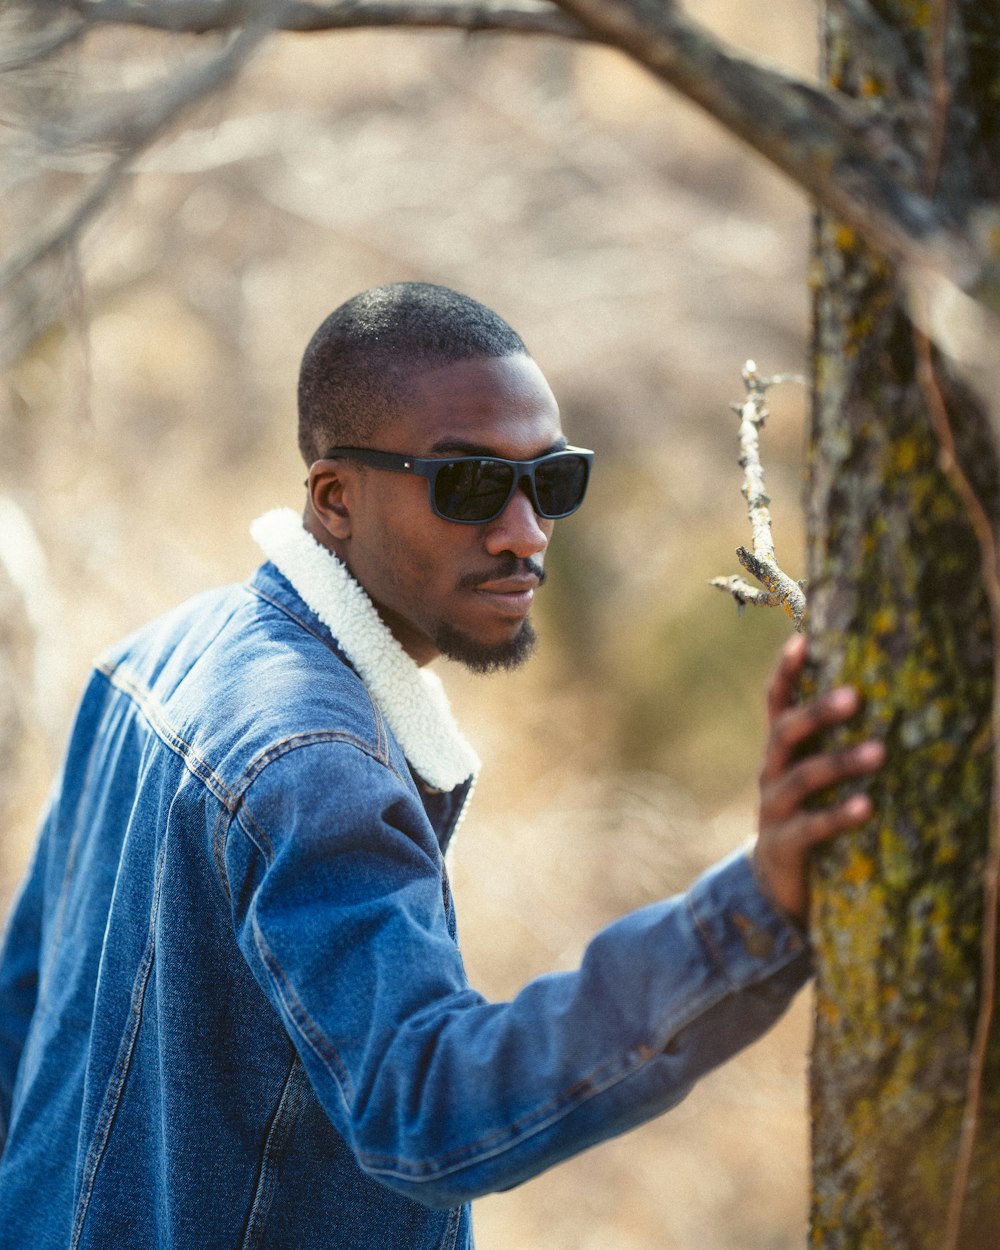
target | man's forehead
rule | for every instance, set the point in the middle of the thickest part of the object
(449, 446)
(511, 376)
(484, 405)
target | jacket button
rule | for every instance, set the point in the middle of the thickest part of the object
(757, 942)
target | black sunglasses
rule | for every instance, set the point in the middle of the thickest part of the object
(475, 489)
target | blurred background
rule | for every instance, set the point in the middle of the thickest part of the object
(148, 415)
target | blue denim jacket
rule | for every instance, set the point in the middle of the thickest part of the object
(233, 1011)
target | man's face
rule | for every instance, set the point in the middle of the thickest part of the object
(443, 588)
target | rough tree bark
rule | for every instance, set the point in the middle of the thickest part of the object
(897, 606)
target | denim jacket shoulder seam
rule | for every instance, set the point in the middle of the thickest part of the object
(313, 737)
(241, 810)
(156, 718)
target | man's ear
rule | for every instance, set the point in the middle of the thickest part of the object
(330, 495)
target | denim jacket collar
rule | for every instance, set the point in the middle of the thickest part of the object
(412, 699)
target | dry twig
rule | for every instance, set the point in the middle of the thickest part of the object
(776, 588)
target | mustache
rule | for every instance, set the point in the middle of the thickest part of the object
(506, 566)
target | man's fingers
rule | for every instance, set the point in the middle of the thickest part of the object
(781, 692)
(811, 828)
(797, 725)
(794, 771)
(790, 789)
(782, 849)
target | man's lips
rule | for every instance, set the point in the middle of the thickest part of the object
(510, 594)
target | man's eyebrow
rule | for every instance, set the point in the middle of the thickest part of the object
(458, 447)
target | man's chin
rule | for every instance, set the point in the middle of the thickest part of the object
(482, 657)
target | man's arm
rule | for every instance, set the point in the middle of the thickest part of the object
(337, 888)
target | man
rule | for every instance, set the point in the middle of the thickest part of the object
(233, 1011)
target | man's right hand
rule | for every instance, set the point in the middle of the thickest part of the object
(788, 828)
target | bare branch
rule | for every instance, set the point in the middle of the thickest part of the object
(780, 590)
(826, 143)
(940, 89)
(103, 140)
(38, 50)
(744, 594)
(524, 17)
(145, 124)
(831, 146)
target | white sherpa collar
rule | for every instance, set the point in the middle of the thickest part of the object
(412, 699)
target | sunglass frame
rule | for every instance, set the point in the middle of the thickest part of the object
(430, 467)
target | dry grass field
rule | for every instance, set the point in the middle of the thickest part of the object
(644, 256)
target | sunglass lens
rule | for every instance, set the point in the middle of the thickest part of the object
(473, 490)
(560, 484)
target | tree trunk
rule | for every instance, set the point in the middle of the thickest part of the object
(897, 607)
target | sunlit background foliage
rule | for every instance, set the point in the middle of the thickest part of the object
(644, 257)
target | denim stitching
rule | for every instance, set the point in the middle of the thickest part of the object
(451, 1229)
(275, 751)
(306, 738)
(71, 854)
(241, 811)
(382, 735)
(556, 1108)
(156, 718)
(707, 941)
(323, 636)
(603, 1078)
(267, 850)
(219, 839)
(123, 1062)
(285, 1116)
(300, 1017)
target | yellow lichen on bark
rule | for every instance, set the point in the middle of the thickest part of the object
(899, 613)
(897, 609)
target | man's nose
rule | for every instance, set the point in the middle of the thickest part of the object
(518, 529)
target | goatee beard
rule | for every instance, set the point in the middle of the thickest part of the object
(480, 657)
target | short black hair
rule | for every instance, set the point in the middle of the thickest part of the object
(355, 369)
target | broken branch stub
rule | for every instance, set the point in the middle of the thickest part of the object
(776, 588)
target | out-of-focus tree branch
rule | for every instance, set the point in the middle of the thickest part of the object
(34, 52)
(834, 149)
(523, 17)
(838, 150)
(122, 128)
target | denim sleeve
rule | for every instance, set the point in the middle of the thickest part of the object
(19, 958)
(339, 908)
